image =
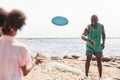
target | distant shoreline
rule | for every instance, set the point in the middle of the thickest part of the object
(67, 38)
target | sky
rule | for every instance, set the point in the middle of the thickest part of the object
(40, 13)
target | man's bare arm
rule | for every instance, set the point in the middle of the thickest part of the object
(84, 36)
(103, 37)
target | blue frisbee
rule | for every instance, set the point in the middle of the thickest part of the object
(59, 21)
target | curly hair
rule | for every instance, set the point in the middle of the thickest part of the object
(15, 20)
(3, 16)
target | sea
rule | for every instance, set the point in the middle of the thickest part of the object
(67, 46)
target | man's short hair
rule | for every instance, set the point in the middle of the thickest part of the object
(94, 16)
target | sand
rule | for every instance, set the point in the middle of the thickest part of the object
(111, 70)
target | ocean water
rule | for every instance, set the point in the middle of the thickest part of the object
(60, 46)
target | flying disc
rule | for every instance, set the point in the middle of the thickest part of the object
(60, 21)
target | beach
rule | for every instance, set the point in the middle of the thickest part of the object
(59, 65)
(55, 68)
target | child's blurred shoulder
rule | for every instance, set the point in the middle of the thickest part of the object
(19, 44)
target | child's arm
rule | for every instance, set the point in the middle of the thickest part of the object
(27, 68)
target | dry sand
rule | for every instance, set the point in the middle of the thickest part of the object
(111, 70)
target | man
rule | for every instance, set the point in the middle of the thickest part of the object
(93, 35)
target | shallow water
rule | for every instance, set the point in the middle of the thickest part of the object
(61, 47)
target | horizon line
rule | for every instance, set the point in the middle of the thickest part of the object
(59, 38)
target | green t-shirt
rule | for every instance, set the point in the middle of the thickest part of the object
(95, 35)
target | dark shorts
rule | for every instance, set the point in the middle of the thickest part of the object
(97, 54)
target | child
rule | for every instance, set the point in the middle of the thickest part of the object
(14, 56)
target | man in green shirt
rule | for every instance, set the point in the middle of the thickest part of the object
(93, 35)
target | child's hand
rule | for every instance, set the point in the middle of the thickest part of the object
(37, 61)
